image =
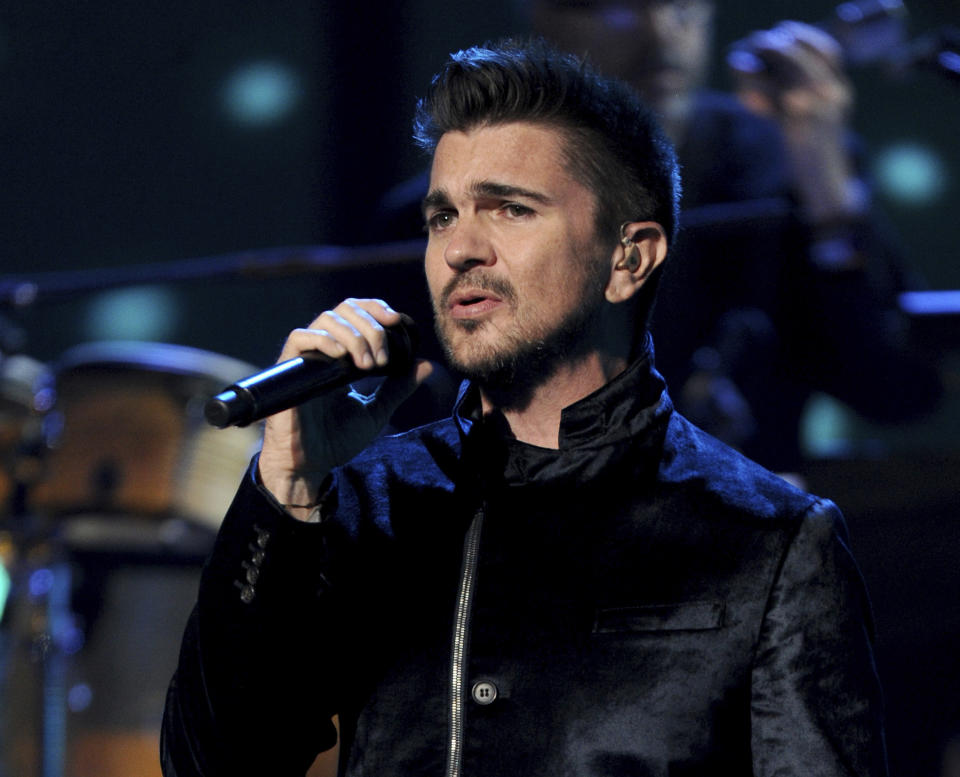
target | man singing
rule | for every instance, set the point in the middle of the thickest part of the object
(563, 578)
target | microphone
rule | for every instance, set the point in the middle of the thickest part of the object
(309, 375)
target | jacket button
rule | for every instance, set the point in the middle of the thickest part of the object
(263, 536)
(247, 594)
(484, 692)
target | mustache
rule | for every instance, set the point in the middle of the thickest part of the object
(481, 281)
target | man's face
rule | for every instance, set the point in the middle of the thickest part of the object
(513, 263)
(661, 47)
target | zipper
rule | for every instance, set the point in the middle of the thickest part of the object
(461, 634)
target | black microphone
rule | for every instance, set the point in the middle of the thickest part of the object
(309, 375)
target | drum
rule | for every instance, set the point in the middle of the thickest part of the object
(134, 484)
(87, 652)
(127, 438)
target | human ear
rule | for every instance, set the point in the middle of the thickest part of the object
(642, 248)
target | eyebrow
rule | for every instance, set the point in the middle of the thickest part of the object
(439, 198)
(494, 189)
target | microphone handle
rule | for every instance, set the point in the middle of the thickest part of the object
(296, 380)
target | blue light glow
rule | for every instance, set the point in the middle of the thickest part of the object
(911, 173)
(41, 582)
(79, 697)
(261, 93)
(950, 61)
(136, 313)
(5, 585)
(931, 303)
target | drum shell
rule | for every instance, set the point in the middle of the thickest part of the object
(85, 673)
(126, 434)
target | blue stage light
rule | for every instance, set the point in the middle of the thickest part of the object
(5, 585)
(262, 93)
(136, 313)
(911, 173)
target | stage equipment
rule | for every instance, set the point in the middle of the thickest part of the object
(124, 506)
(127, 437)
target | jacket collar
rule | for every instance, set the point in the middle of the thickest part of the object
(626, 416)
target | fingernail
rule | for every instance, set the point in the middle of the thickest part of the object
(382, 357)
(366, 360)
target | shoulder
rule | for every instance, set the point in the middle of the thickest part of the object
(423, 455)
(753, 163)
(702, 468)
(725, 114)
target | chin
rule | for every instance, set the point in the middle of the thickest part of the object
(469, 352)
(474, 360)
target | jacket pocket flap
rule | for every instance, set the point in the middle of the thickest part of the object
(684, 616)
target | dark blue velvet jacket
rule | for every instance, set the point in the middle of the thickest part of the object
(643, 601)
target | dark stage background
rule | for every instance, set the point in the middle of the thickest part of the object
(184, 160)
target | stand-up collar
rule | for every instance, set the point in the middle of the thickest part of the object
(628, 414)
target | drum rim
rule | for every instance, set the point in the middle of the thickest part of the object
(167, 358)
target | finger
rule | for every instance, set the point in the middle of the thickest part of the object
(355, 334)
(329, 334)
(316, 337)
(354, 327)
(818, 43)
(369, 317)
(377, 308)
(783, 64)
(346, 329)
(795, 54)
(794, 82)
(821, 58)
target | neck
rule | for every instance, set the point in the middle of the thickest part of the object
(537, 421)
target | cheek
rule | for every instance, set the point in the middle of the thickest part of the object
(548, 291)
(433, 268)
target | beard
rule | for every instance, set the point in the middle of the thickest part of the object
(526, 353)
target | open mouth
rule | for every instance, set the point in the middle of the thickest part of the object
(470, 304)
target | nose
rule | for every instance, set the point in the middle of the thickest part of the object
(468, 246)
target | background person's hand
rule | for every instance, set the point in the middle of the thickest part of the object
(794, 74)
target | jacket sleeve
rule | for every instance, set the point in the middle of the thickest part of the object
(252, 692)
(816, 706)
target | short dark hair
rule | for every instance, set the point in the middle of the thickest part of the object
(614, 145)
